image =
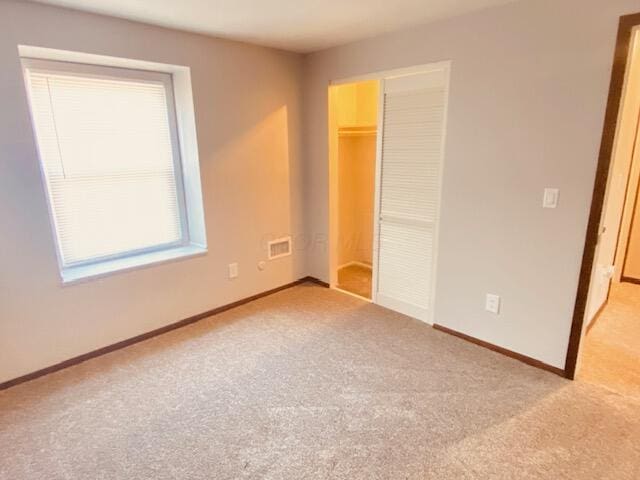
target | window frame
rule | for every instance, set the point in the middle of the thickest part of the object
(106, 264)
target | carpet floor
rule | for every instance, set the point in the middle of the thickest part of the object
(611, 350)
(310, 383)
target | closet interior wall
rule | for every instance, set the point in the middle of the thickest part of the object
(355, 112)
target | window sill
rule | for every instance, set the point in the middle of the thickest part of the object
(71, 275)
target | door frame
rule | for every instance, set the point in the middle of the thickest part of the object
(626, 26)
(381, 76)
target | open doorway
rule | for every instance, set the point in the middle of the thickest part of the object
(605, 338)
(354, 111)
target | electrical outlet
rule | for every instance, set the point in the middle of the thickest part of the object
(233, 270)
(492, 303)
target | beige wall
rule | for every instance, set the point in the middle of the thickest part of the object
(627, 215)
(632, 261)
(357, 104)
(247, 105)
(529, 83)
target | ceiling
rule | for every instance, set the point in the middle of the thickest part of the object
(296, 25)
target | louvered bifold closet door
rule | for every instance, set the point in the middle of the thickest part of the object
(413, 123)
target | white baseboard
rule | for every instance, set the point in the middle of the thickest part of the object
(347, 292)
(355, 264)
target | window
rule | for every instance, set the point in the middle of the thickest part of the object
(109, 147)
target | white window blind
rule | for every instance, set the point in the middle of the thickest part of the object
(108, 146)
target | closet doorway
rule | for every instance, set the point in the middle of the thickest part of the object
(386, 156)
(355, 108)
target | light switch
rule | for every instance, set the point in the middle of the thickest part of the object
(233, 270)
(492, 303)
(550, 199)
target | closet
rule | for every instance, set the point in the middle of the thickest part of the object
(386, 156)
(356, 163)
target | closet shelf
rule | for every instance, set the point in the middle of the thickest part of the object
(359, 130)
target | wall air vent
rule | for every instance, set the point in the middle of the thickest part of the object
(280, 247)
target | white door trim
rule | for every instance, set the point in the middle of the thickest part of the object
(395, 73)
(436, 237)
(376, 194)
